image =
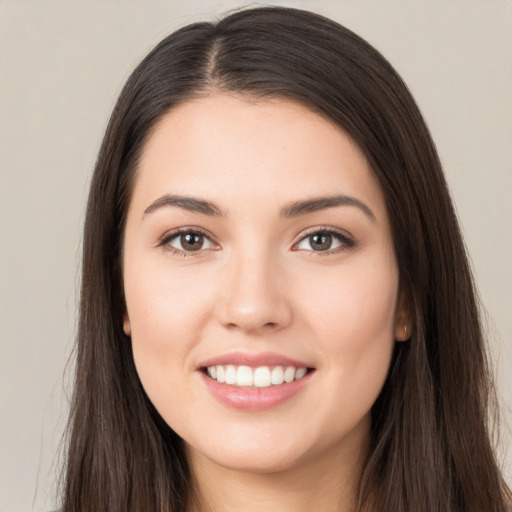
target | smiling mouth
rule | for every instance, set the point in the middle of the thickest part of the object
(259, 377)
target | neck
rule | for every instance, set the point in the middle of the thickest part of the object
(327, 484)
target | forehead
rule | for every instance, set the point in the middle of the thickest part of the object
(264, 150)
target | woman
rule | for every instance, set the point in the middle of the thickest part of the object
(277, 311)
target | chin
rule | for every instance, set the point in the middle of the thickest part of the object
(268, 451)
(257, 461)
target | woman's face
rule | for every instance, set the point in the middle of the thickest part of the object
(258, 250)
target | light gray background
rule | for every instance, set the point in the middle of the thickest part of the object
(62, 65)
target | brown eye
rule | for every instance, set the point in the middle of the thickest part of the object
(320, 241)
(188, 242)
(192, 241)
(324, 240)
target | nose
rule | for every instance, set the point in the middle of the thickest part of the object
(254, 298)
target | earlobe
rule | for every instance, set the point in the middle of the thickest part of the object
(403, 324)
(126, 325)
(403, 332)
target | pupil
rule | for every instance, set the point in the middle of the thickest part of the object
(321, 241)
(192, 241)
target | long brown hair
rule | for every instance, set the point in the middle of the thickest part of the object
(431, 447)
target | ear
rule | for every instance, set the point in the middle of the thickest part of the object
(404, 324)
(126, 325)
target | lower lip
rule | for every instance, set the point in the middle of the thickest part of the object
(254, 399)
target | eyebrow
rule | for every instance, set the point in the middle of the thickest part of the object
(295, 209)
(298, 208)
(191, 204)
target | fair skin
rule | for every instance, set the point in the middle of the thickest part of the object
(252, 280)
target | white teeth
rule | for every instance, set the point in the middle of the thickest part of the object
(289, 374)
(261, 377)
(230, 375)
(244, 376)
(277, 376)
(300, 373)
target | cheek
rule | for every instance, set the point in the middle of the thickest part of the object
(164, 304)
(360, 296)
(354, 327)
(167, 313)
(352, 313)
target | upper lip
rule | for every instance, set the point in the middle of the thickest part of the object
(253, 360)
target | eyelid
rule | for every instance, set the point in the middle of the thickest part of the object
(164, 240)
(347, 240)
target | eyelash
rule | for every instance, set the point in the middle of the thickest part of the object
(346, 241)
(168, 237)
